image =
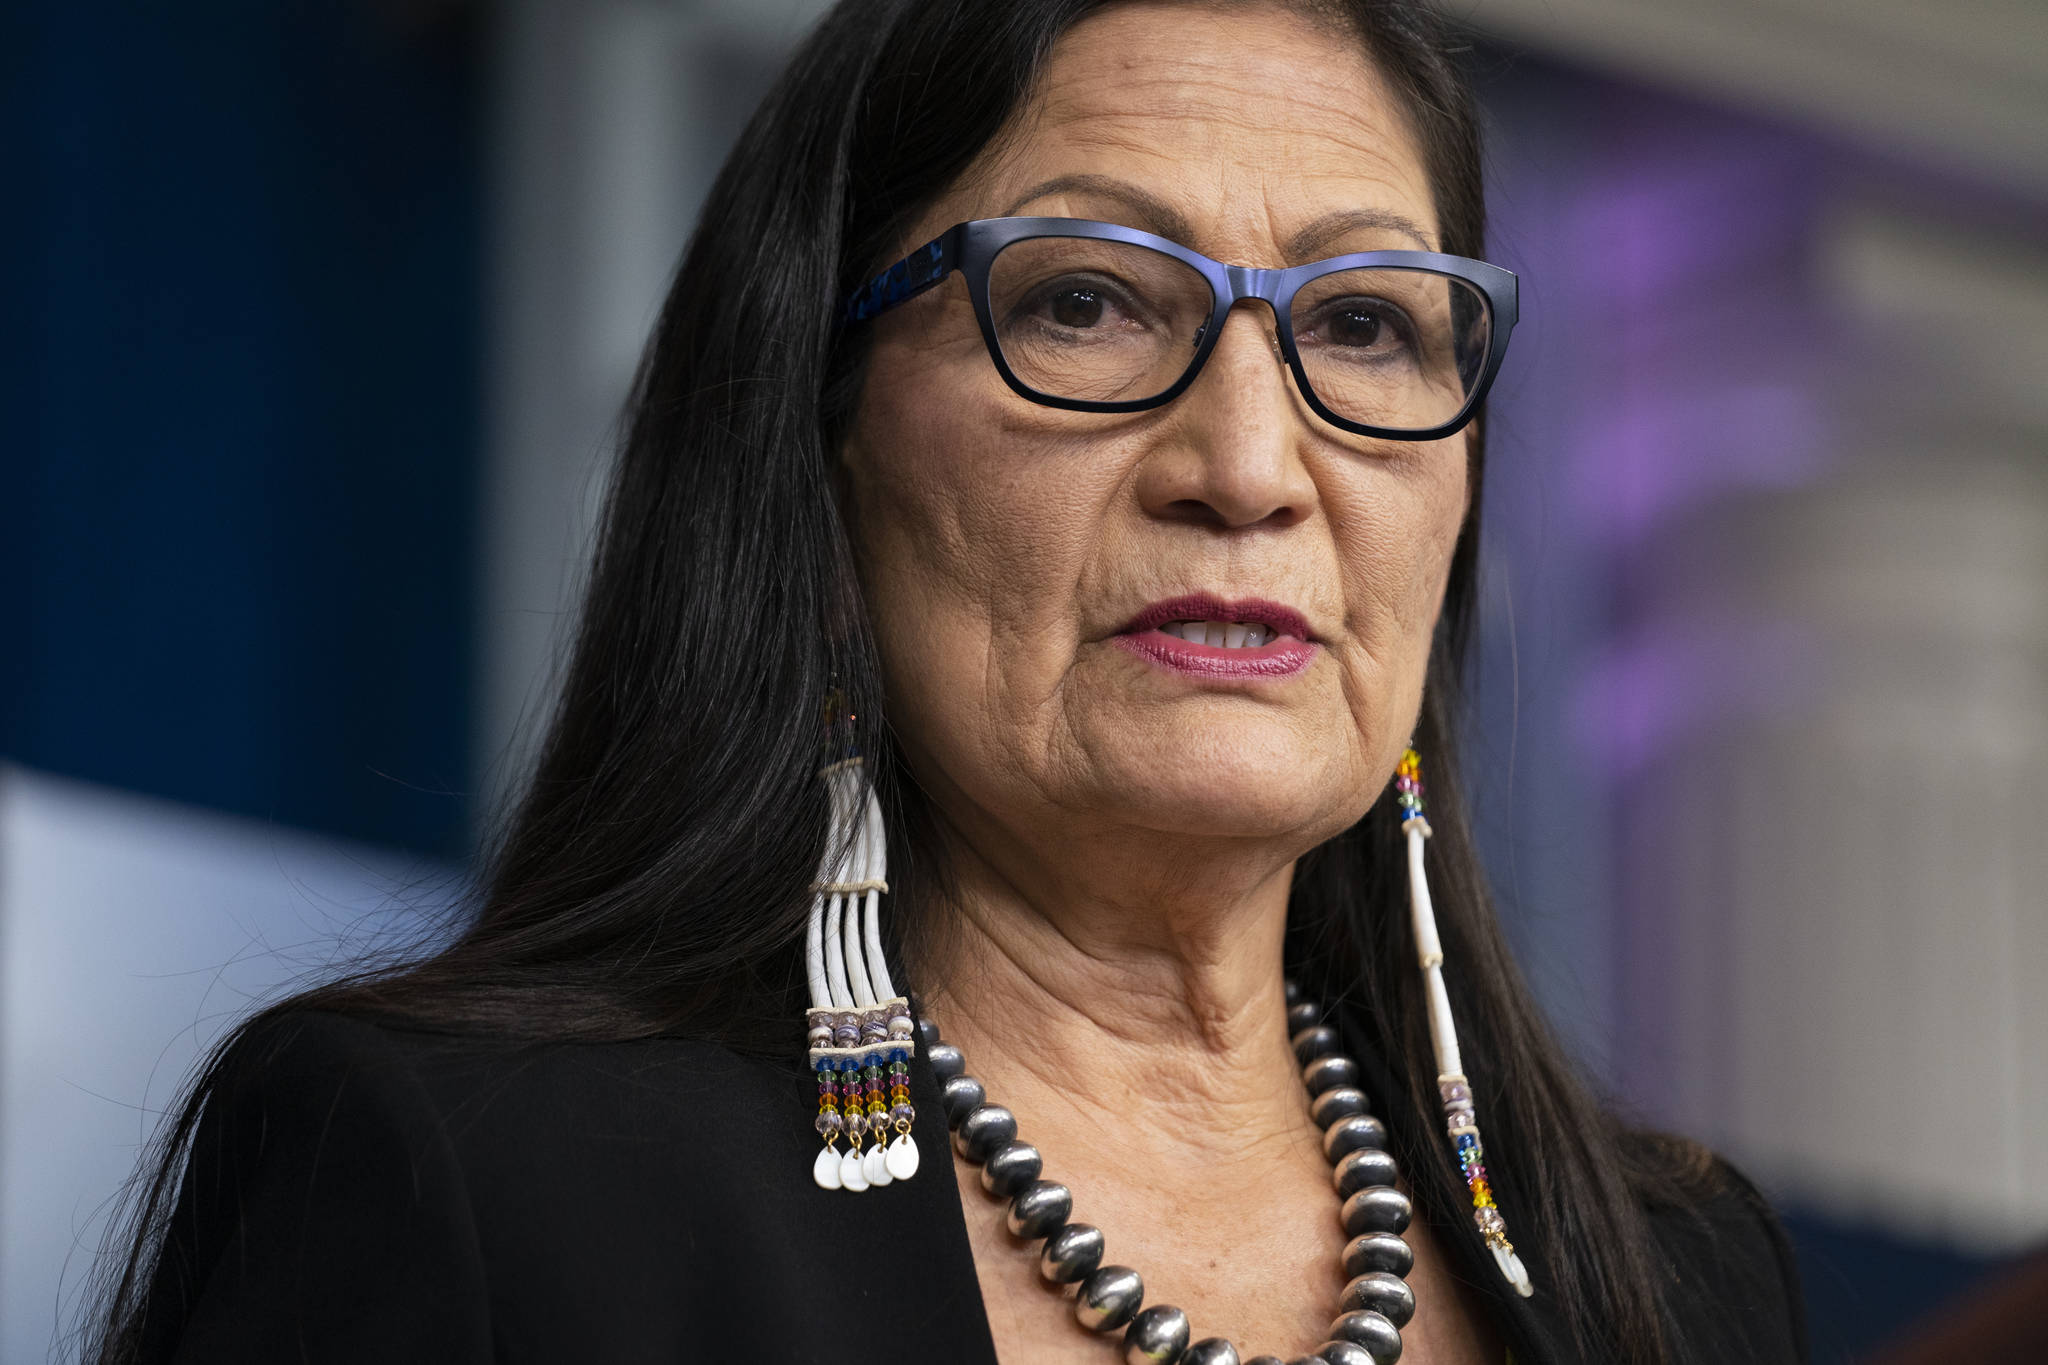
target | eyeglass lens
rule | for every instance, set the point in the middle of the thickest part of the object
(1113, 322)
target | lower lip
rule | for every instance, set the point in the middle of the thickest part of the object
(1281, 659)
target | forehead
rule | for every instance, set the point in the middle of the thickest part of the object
(1257, 133)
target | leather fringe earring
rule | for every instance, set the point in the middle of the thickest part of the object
(859, 1029)
(1460, 1119)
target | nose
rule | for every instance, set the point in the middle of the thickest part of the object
(1229, 454)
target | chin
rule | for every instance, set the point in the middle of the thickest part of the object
(1237, 793)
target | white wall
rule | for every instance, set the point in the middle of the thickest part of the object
(132, 932)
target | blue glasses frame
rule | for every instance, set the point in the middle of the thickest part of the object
(971, 248)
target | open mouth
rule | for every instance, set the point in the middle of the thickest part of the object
(1221, 634)
(1210, 637)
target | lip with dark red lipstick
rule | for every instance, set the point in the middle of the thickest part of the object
(1159, 633)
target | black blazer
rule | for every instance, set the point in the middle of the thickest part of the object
(364, 1194)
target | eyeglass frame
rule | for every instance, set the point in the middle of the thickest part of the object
(971, 248)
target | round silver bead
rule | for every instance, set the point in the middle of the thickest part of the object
(959, 1097)
(1349, 1134)
(1157, 1336)
(1340, 1103)
(1344, 1353)
(1308, 1360)
(1210, 1351)
(1303, 1014)
(1010, 1168)
(1320, 1040)
(1265, 1360)
(928, 1032)
(1071, 1253)
(1378, 1251)
(1039, 1208)
(1377, 1291)
(1109, 1298)
(947, 1061)
(1327, 1073)
(1379, 1209)
(1292, 990)
(1371, 1331)
(1363, 1167)
(985, 1129)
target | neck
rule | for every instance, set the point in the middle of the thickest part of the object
(1150, 1019)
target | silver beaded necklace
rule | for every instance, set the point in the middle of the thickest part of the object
(1375, 1305)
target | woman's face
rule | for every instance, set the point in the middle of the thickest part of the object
(1008, 549)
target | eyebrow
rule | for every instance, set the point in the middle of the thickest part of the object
(1314, 240)
(1157, 216)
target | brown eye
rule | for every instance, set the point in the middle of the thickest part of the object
(1354, 327)
(1076, 308)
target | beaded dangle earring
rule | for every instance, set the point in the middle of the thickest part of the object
(1460, 1119)
(859, 1029)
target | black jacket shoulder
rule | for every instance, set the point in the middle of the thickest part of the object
(324, 1213)
(358, 1192)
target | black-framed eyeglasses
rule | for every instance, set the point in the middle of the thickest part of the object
(1098, 317)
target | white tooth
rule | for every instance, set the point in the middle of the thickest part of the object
(1177, 629)
(1233, 636)
(1255, 637)
(1212, 633)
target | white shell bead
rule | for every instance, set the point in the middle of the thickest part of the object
(1512, 1270)
(875, 1166)
(851, 1176)
(825, 1170)
(902, 1157)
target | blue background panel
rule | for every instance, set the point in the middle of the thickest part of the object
(243, 353)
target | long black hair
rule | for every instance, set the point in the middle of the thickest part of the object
(654, 879)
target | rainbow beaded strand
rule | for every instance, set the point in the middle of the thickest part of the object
(1460, 1118)
(1408, 788)
(862, 1061)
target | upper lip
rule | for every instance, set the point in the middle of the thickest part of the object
(1279, 619)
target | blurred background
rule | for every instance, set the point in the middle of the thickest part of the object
(319, 317)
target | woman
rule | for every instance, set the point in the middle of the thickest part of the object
(1135, 598)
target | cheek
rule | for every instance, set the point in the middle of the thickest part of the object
(974, 526)
(1396, 527)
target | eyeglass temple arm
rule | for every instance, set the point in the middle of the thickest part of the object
(906, 279)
